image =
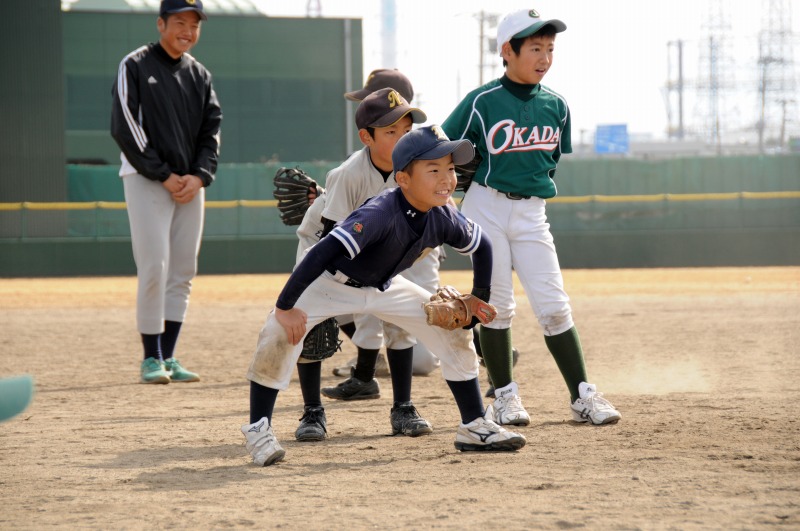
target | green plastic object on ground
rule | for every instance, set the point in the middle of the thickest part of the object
(16, 393)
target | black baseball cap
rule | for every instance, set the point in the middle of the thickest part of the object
(383, 78)
(179, 6)
(386, 107)
(430, 143)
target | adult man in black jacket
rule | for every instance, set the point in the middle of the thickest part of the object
(166, 120)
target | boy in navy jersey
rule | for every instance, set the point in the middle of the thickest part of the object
(354, 270)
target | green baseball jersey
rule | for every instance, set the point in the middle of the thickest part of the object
(520, 132)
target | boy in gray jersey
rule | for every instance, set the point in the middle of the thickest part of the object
(520, 128)
(334, 205)
(382, 119)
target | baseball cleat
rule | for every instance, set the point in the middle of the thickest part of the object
(152, 371)
(406, 420)
(313, 424)
(261, 443)
(177, 373)
(592, 407)
(485, 435)
(353, 389)
(507, 409)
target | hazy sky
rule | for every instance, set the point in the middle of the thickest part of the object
(611, 64)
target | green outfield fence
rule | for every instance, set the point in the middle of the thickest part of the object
(678, 212)
(247, 236)
(99, 220)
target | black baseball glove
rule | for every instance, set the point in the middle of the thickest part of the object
(465, 173)
(292, 187)
(322, 341)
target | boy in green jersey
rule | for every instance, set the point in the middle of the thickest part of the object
(520, 129)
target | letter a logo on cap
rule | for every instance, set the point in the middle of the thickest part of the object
(395, 99)
(439, 133)
(533, 13)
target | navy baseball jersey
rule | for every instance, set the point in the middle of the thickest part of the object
(381, 243)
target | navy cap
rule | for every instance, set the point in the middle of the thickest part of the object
(430, 143)
(382, 78)
(179, 6)
(386, 107)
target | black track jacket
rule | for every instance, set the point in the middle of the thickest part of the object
(165, 115)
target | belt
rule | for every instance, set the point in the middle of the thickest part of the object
(510, 195)
(344, 279)
(514, 196)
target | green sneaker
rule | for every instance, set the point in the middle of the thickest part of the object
(178, 373)
(153, 372)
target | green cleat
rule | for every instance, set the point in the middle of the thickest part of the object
(177, 373)
(153, 372)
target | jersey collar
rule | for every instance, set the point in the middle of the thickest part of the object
(521, 91)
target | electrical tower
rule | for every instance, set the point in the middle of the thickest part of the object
(714, 80)
(777, 83)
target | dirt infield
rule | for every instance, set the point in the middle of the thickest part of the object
(702, 363)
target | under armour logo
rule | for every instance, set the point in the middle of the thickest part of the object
(410, 213)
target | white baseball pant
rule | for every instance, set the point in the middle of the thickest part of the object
(274, 359)
(165, 236)
(521, 241)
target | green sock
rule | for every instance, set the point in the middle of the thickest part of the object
(497, 356)
(566, 350)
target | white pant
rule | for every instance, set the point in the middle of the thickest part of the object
(372, 333)
(521, 240)
(166, 240)
(274, 359)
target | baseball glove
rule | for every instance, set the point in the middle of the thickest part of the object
(465, 173)
(322, 341)
(449, 309)
(292, 186)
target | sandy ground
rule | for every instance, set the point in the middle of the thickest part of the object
(702, 363)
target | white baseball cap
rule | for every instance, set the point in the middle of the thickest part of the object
(523, 23)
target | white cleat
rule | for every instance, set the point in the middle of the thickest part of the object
(261, 443)
(592, 407)
(483, 434)
(507, 409)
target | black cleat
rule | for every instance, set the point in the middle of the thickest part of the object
(406, 420)
(313, 425)
(354, 389)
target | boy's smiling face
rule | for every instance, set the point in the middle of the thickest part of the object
(179, 33)
(534, 59)
(429, 184)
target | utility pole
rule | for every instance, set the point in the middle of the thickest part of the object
(485, 44)
(313, 8)
(480, 48)
(675, 85)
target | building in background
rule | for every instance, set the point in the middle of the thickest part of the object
(279, 101)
